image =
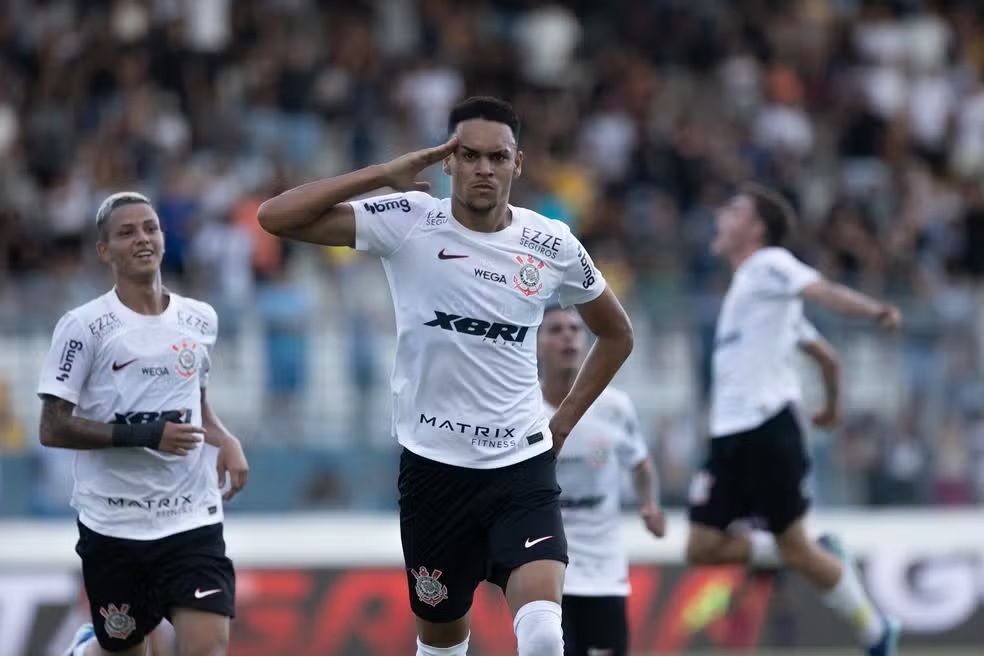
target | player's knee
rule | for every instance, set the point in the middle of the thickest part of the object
(539, 630)
(796, 554)
(701, 552)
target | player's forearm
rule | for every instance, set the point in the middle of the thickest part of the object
(303, 205)
(830, 373)
(645, 483)
(215, 432)
(75, 432)
(844, 300)
(599, 368)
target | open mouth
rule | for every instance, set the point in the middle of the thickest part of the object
(569, 351)
(144, 254)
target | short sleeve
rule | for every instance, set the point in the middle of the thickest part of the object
(382, 223)
(784, 274)
(66, 366)
(581, 282)
(631, 449)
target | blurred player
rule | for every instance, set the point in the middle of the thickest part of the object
(757, 465)
(589, 470)
(470, 276)
(124, 384)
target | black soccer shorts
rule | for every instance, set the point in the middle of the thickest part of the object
(460, 526)
(756, 474)
(132, 585)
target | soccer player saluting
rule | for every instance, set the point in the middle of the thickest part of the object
(603, 444)
(124, 385)
(758, 464)
(470, 276)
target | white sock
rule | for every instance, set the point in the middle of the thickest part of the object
(460, 649)
(538, 629)
(850, 601)
(81, 649)
(764, 550)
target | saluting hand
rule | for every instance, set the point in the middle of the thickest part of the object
(401, 173)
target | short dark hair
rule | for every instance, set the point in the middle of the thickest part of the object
(112, 202)
(488, 108)
(774, 211)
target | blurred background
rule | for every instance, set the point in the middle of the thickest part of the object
(638, 117)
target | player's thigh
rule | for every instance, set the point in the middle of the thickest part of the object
(527, 543)
(195, 575)
(779, 466)
(200, 632)
(716, 497)
(444, 542)
(123, 601)
(605, 629)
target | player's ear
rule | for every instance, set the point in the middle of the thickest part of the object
(102, 250)
(446, 165)
(518, 169)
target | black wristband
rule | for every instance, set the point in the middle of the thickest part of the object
(138, 435)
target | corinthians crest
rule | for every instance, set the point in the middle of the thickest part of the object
(119, 623)
(187, 358)
(429, 589)
(527, 280)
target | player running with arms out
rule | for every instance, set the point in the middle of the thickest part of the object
(589, 469)
(470, 276)
(757, 465)
(124, 385)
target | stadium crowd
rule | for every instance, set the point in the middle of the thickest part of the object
(868, 114)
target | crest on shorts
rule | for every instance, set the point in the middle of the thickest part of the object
(527, 280)
(429, 589)
(187, 359)
(119, 623)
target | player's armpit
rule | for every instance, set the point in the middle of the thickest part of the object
(59, 428)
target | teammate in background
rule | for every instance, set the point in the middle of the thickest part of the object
(758, 464)
(589, 470)
(470, 276)
(124, 384)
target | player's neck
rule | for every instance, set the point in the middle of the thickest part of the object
(739, 257)
(556, 387)
(144, 298)
(491, 221)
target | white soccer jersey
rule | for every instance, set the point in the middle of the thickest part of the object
(468, 304)
(603, 444)
(760, 326)
(117, 365)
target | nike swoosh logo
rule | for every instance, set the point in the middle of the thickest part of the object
(199, 594)
(447, 256)
(530, 543)
(118, 366)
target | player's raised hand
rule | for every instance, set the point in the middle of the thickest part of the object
(890, 318)
(232, 461)
(401, 173)
(180, 438)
